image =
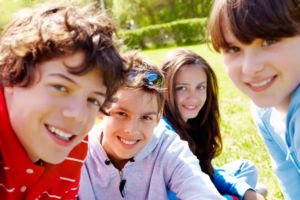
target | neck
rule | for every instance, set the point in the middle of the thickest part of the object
(283, 106)
(120, 163)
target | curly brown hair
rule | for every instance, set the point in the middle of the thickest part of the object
(52, 30)
(202, 132)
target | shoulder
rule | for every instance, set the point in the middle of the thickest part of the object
(166, 123)
(170, 144)
(295, 101)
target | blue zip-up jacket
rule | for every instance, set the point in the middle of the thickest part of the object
(226, 183)
(284, 154)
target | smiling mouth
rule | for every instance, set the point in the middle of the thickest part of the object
(129, 142)
(263, 83)
(260, 86)
(190, 107)
(60, 134)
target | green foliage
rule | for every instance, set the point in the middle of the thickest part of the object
(148, 12)
(176, 32)
(240, 137)
(9, 7)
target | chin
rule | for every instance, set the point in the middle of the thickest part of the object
(57, 159)
(263, 104)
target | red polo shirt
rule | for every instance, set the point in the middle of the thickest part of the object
(21, 179)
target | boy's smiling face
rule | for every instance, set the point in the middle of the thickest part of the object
(130, 125)
(56, 111)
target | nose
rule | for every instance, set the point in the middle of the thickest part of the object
(131, 126)
(193, 95)
(76, 109)
(252, 62)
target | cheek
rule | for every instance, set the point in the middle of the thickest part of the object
(179, 97)
(203, 97)
(111, 125)
(93, 115)
(228, 63)
(148, 133)
(233, 66)
(27, 115)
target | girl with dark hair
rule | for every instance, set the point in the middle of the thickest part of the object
(192, 111)
(260, 43)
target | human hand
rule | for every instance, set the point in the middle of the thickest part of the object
(252, 195)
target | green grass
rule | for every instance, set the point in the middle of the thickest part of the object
(240, 137)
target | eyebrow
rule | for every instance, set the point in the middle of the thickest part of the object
(72, 81)
(100, 94)
(64, 77)
(203, 82)
(126, 110)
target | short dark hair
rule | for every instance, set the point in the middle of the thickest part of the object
(52, 30)
(250, 19)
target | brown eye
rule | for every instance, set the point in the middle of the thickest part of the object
(269, 42)
(60, 88)
(181, 88)
(146, 117)
(94, 101)
(233, 49)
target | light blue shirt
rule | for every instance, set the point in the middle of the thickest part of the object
(284, 153)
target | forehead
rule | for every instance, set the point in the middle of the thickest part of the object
(188, 73)
(136, 101)
(65, 67)
(72, 61)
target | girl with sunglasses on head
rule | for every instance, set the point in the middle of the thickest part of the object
(192, 111)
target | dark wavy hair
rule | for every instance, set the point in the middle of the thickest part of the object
(250, 19)
(52, 30)
(202, 132)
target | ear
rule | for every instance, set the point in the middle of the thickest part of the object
(160, 115)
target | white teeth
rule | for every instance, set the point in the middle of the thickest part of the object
(190, 107)
(127, 142)
(60, 133)
(261, 83)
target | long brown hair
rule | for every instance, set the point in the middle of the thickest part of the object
(202, 132)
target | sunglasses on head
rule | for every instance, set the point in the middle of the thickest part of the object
(151, 78)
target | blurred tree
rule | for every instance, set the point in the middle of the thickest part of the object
(9, 7)
(126, 13)
(147, 12)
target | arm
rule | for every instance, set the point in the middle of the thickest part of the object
(293, 135)
(226, 183)
(183, 173)
(293, 127)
